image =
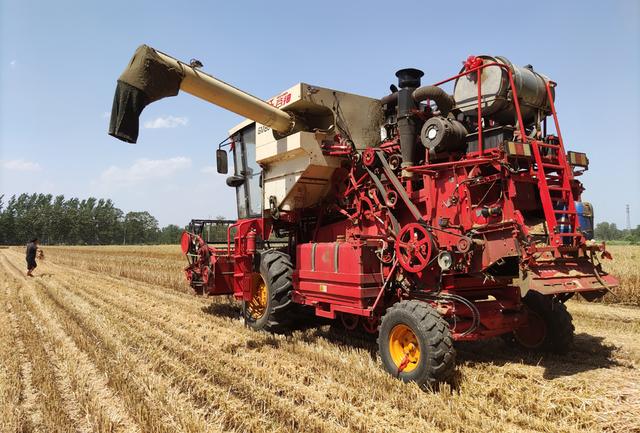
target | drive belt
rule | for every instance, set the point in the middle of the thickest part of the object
(376, 180)
(399, 188)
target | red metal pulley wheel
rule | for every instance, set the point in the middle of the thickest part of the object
(185, 242)
(464, 245)
(369, 156)
(391, 198)
(414, 246)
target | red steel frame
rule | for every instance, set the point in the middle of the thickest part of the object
(562, 166)
(337, 270)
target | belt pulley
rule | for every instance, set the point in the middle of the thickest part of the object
(414, 247)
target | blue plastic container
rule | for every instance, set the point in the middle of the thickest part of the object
(585, 218)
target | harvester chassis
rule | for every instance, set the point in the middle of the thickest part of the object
(422, 217)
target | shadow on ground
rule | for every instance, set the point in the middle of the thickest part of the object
(588, 353)
(223, 308)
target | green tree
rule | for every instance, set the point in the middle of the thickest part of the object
(6, 223)
(56, 220)
(107, 218)
(632, 236)
(607, 231)
(140, 228)
(170, 234)
(72, 213)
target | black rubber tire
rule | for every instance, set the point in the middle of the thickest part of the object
(558, 321)
(277, 271)
(437, 362)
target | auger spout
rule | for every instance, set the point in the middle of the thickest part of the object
(152, 75)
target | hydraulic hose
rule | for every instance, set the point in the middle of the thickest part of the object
(390, 99)
(443, 100)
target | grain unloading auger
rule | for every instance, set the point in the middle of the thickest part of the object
(423, 217)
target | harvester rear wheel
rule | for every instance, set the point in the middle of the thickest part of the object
(549, 326)
(269, 309)
(416, 345)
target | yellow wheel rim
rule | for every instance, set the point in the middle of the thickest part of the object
(404, 347)
(257, 306)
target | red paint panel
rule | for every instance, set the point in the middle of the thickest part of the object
(223, 276)
(337, 274)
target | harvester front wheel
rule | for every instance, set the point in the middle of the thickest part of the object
(269, 308)
(549, 325)
(416, 345)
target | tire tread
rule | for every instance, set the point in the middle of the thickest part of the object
(440, 351)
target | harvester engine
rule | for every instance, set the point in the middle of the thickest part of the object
(424, 217)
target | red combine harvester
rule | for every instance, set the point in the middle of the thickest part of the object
(423, 217)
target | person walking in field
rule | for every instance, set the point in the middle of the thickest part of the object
(32, 251)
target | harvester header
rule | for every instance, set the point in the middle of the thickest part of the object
(438, 213)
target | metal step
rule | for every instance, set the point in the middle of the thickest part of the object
(553, 166)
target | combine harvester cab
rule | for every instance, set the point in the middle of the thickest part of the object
(423, 217)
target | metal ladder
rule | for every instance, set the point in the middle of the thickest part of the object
(554, 182)
(554, 176)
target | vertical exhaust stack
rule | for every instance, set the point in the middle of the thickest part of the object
(408, 81)
(152, 75)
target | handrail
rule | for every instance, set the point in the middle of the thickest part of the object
(459, 163)
(552, 105)
(237, 224)
(479, 85)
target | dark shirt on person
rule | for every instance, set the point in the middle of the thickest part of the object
(32, 249)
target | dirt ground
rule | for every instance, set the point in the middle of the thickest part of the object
(109, 340)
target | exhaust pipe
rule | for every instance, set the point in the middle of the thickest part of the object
(152, 75)
(443, 100)
(408, 81)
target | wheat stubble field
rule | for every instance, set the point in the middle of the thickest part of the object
(109, 339)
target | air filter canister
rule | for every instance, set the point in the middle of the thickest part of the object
(440, 134)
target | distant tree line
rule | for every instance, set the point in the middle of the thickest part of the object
(91, 221)
(606, 231)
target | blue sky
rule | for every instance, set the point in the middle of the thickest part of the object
(59, 62)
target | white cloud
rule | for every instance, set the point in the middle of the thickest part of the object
(144, 169)
(13, 63)
(166, 122)
(20, 165)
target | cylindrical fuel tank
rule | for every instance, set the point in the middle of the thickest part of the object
(497, 101)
